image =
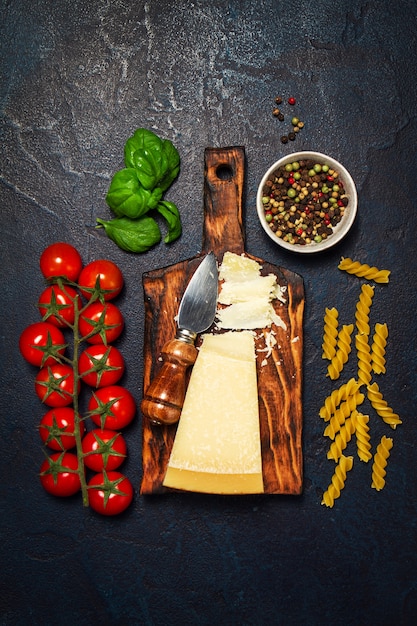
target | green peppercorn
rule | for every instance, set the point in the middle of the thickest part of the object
(291, 193)
(317, 168)
(294, 121)
(288, 167)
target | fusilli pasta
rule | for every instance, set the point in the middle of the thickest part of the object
(342, 413)
(381, 406)
(330, 333)
(362, 270)
(364, 359)
(336, 397)
(338, 480)
(378, 348)
(342, 439)
(380, 463)
(362, 437)
(362, 309)
(343, 350)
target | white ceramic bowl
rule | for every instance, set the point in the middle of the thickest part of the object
(340, 230)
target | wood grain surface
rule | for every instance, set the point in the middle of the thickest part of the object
(279, 375)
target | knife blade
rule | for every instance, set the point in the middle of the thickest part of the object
(163, 400)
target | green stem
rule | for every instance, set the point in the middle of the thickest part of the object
(77, 430)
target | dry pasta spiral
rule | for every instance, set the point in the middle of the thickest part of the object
(378, 348)
(380, 463)
(342, 413)
(342, 352)
(338, 480)
(342, 439)
(362, 309)
(330, 333)
(363, 443)
(381, 407)
(364, 359)
(336, 397)
(362, 270)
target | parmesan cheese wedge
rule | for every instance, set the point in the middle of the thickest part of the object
(217, 446)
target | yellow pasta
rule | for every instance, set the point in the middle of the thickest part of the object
(338, 480)
(342, 352)
(364, 359)
(342, 413)
(380, 463)
(362, 270)
(336, 397)
(342, 439)
(362, 309)
(363, 443)
(381, 406)
(330, 333)
(378, 348)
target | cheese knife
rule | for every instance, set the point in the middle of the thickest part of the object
(163, 400)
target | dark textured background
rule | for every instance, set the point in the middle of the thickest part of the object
(77, 79)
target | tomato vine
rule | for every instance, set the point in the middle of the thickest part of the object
(76, 302)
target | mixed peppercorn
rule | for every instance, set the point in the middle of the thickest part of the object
(303, 201)
(295, 122)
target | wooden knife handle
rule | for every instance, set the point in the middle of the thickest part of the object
(163, 400)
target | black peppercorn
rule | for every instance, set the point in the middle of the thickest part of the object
(284, 139)
(291, 136)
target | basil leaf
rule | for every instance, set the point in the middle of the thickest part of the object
(149, 167)
(170, 212)
(126, 196)
(172, 168)
(142, 139)
(132, 235)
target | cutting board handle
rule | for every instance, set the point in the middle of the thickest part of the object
(224, 174)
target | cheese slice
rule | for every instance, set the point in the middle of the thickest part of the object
(261, 287)
(238, 268)
(217, 446)
(246, 296)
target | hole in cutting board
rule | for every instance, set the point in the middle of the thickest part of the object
(224, 171)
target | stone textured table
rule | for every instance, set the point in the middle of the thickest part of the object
(77, 79)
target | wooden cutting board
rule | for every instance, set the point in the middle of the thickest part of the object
(279, 380)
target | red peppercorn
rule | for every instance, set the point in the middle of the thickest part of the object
(291, 100)
(299, 231)
(291, 180)
(340, 203)
(330, 177)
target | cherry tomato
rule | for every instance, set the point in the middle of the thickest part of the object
(112, 407)
(41, 344)
(110, 493)
(100, 365)
(102, 274)
(57, 428)
(61, 259)
(57, 306)
(54, 385)
(59, 475)
(104, 449)
(106, 320)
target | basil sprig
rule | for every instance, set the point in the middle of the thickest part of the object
(152, 165)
